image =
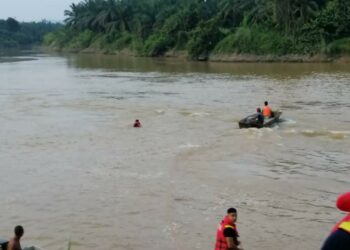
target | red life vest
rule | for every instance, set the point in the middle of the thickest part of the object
(221, 243)
(344, 224)
(267, 111)
(343, 203)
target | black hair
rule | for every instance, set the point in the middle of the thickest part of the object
(266, 103)
(231, 210)
(19, 231)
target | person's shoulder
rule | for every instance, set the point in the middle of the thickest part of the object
(11, 244)
(229, 232)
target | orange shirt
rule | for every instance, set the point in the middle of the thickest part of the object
(267, 111)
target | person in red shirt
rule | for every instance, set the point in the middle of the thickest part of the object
(227, 234)
(137, 124)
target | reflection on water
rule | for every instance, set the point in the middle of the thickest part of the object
(72, 167)
(171, 65)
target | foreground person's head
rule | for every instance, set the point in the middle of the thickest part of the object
(266, 103)
(19, 231)
(232, 214)
(343, 202)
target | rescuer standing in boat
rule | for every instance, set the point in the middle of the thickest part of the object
(339, 239)
(227, 234)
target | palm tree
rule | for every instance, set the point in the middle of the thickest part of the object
(233, 11)
(107, 18)
(125, 13)
(72, 15)
(283, 14)
(82, 15)
(292, 14)
(304, 10)
(259, 11)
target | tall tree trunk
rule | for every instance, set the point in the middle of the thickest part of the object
(284, 14)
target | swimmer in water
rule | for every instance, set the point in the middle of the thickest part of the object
(137, 124)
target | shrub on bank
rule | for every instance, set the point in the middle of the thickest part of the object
(157, 44)
(339, 47)
(203, 39)
(255, 40)
(82, 40)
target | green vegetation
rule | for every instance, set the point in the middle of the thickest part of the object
(205, 27)
(15, 35)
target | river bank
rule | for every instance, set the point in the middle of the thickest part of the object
(224, 58)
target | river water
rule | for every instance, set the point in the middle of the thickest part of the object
(73, 168)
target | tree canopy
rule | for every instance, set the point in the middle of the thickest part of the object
(153, 27)
(14, 34)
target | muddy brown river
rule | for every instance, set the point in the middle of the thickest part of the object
(72, 167)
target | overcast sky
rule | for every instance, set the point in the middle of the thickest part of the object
(34, 10)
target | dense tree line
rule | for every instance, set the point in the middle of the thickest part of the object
(153, 27)
(14, 34)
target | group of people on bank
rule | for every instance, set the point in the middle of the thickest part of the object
(339, 239)
(227, 234)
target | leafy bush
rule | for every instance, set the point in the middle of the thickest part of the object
(182, 39)
(204, 39)
(255, 40)
(124, 41)
(339, 47)
(157, 44)
(49, 39)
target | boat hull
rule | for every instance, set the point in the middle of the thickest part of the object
(251, 121)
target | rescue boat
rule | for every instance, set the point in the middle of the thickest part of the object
(252, 121)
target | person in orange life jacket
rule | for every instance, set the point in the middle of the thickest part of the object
(267, 112)
(227, 234)
(259, 116)
(137, 124)
(339, 239)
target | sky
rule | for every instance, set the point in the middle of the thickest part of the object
(34, 10)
